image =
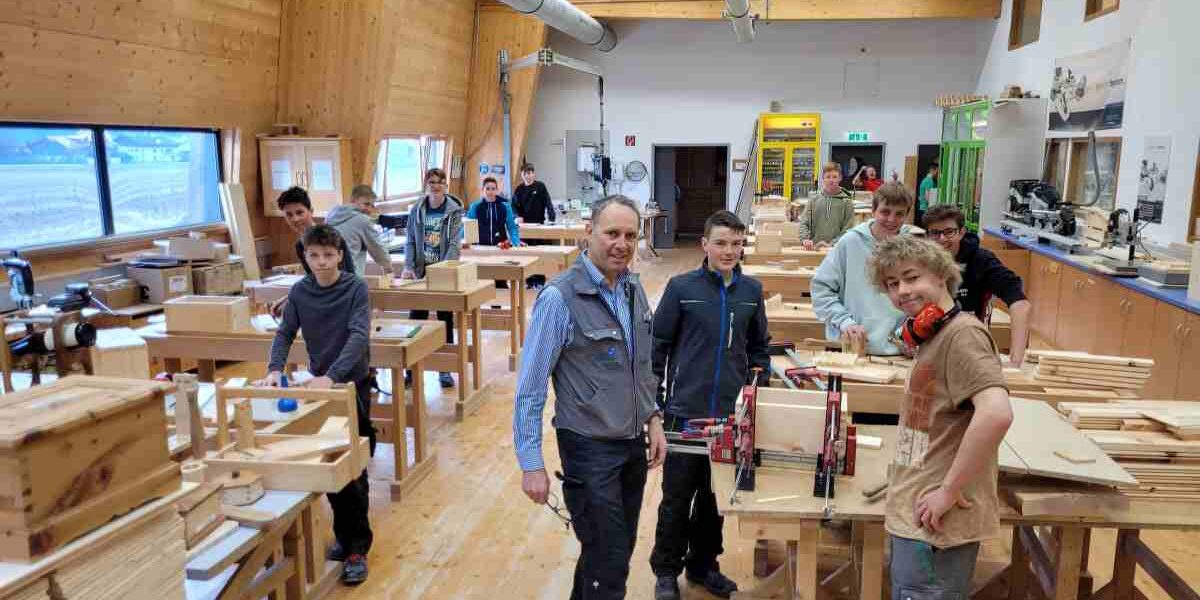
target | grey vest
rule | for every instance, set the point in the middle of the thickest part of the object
(600, 391)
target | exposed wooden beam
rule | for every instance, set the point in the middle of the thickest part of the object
(785, 10)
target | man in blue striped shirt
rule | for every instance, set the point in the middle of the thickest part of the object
(590, 335)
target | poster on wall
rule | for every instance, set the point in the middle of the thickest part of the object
(1088, 90)
(1152, 178)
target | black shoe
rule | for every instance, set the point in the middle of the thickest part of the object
(408, 379)
(667, 588)
(446, 380)
(336, 553)
(354, 570)
(716, 583)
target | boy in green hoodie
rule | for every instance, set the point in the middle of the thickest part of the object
(843, 296)
(830, 214)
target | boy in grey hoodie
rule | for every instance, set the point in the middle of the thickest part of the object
(354, 223)
(434, 234)
(843, 296)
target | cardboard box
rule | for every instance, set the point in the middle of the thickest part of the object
(187, 248)
(452, 276)
(212, 280)
(116, 291)
(162, 284)
(211, 314)
(237, 276)
(221, 252)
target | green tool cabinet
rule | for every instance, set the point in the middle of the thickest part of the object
(962, 158)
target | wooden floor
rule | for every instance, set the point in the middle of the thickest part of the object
(470, 533)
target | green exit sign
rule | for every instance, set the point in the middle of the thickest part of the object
(858, 136)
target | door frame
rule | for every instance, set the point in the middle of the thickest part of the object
(828, 147)
(728, 163)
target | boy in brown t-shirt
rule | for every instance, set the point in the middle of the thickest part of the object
(942, 490)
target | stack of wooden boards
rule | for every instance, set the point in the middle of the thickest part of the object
(1157, 441)
(1080, 369)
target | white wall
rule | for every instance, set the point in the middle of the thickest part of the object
(681, 82)
(1162, 94)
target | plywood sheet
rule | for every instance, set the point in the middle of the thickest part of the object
(1044, 441)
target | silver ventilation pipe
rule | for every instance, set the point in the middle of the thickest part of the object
(569, 19)
(738, 13)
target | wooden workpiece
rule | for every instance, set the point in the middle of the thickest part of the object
(753, 255)
(387, 351)
(553, 259)
(793, 284)
(563, 234)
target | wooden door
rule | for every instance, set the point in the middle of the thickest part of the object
(1169, 323)
(1188, 385)
(281, 163)
(322, 175)
(1075, 328)
(1137, 338)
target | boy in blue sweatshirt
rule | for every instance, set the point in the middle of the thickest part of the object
(496, 221)
(330, 307)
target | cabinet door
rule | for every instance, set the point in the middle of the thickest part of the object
(1109, 325)
(1169, 323)
(281, 164)
(1188, 385)
(322, 175)
(1072, 326)
(1137, 339)
(1043, 289)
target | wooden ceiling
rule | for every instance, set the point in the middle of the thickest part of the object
(785, 10)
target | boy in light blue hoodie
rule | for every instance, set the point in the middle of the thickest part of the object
(843, 296)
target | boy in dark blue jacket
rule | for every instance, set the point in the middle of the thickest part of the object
(710, 330)
(495, 216)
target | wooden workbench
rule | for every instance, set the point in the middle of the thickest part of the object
(554, 259)
(807, 258)
(564, 234)
(391, 353)
(796, 322)
(1056, 564)
(794, 284)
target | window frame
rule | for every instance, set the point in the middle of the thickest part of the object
(425, 140)
(109, 237)
(1094, 9)
(1017, 20)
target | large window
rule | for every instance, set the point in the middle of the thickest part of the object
(62, 184)
(402, 163)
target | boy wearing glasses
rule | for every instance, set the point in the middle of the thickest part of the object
(984, 276)
(434, 234)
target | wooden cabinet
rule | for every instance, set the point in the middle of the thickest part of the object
(1043, 290)
(1079, 305)
(1187, 386)
(1017, 261)
(319, 165)
(1169, 325)
(1137, 320)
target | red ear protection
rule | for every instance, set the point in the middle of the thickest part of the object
(921, 328)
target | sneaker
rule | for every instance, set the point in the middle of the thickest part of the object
(336, 553)
(667, 588)
(445, 379)
(354, 570)
(716, 583)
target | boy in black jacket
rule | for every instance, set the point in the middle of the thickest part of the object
(330, 307)
(710, 329)
(983, 278)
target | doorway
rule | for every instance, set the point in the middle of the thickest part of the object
(690, 182)
(854, 156)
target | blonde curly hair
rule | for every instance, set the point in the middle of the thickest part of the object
(893, 252)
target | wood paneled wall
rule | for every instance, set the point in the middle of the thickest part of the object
(209, 63)
(787, 10)
(519, 35)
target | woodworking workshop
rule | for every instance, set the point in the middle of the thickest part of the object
(599, 300)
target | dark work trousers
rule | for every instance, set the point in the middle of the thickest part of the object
(689, 527)
(351, 527)
(603, 482)
(444, 316)
(536, 280)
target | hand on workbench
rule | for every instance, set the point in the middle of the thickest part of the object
(933, 506)
(271, 380)
(657, 453)
(277, 308)
(536, 485)
(807, 244)
(319, 383)
(408, 275)
(855, 333)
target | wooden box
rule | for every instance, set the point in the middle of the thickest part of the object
(215, 314)
(119, 352)
(162, 284)
(74, 454)
(116, 291)
(452, 276)
(470, 231)
(237, 276)
(378, 282)
(768, 243)
(187, 248)
(313, 473)
(789, 229)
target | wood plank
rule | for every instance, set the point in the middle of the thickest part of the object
(1039, 435)
(223, 554)
(1098, 359)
